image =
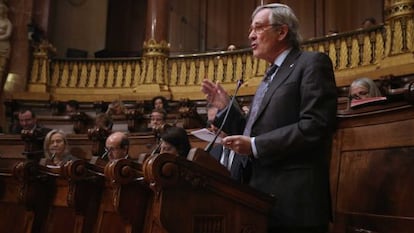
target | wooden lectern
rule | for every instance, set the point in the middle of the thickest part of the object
(198, 196)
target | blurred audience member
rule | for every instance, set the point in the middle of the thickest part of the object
(72, 107)
(103, 121)
(160, 102)
(56, 147)
(158, 119)
(116, 108)
(117, 146)
(28, 121)
(33, 134)
(363, 88)
(174, 140)
(231, 47)
(60, 109)
(368, 22)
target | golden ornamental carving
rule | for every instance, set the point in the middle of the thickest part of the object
(355, 53)
(379, 49)
(398, 8)
(152, 48)
(43, 49)
(398, 40)
(410, 34)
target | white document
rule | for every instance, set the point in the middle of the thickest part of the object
(206, 135)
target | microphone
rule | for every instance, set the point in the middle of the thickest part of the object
(156, 149)
(53, 156)
(103, 156)
(210, 145)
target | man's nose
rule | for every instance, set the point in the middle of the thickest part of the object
(251, 36)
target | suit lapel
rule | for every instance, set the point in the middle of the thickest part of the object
(282, 74)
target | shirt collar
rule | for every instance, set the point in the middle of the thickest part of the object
(281, 58)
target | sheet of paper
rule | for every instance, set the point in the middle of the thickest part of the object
(206, 135)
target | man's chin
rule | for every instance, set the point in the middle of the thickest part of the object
(256, 53)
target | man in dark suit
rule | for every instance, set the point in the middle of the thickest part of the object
(32, 133)
(288, 132)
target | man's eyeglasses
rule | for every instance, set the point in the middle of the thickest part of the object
(261, 28)
(109, 150)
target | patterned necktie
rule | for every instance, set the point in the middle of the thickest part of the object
(225, 155)
(258, 97)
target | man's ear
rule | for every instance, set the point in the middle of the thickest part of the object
(282, 31)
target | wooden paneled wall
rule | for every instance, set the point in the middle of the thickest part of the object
(201, 25)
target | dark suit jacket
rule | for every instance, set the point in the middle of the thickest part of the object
(240, 168)
(293, 132)
(34, 144)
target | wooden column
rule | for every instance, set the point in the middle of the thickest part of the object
(156, 47)
(156, 34)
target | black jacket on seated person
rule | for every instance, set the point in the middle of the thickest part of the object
(240, 169)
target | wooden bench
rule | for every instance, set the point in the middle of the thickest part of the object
(165, 194)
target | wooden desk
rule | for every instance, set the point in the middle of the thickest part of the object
(372, 169)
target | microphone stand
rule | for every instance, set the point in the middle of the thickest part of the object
(156, 148)
(211, 143)
(104, 154)
(53, 156)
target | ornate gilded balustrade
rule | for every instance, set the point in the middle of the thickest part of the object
(376, 52)
(353, 49)
(187, 71)
(140, 77)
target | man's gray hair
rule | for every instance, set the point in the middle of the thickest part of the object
(283, 15)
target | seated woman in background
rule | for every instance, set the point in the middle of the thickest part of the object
(363, 88)
(174, 140)
(56, 147)
(160, 102)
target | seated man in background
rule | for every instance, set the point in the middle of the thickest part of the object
(72, 107)
(117, 146)
(28, 121)
(32, 133)
(158, 124)
(158, 119)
